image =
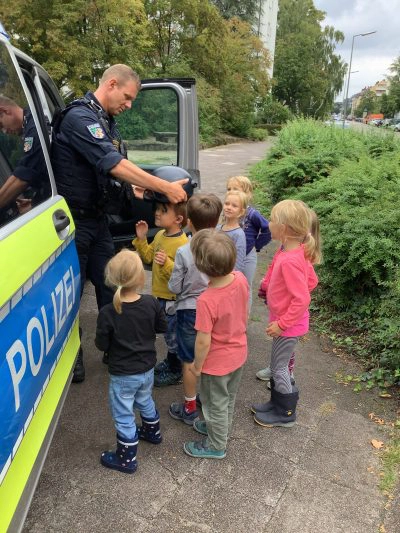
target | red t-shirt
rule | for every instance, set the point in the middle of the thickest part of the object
(223, 312)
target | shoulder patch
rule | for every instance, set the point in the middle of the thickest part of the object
(28, 143)
(96, 131)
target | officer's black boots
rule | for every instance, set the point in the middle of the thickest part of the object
(79, 370)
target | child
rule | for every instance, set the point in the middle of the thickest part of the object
(288, 283)
(235, 204)
(127, 329)
(221, 342)
(188, 283)
(265, 373)
(161, 252)
(255, 228)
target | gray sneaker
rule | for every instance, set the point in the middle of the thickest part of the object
(265, 374)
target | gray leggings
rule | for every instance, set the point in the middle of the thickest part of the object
(282, 349)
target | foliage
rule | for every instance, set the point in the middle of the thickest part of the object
(368, 103)
(307, 71)
(394, 89)
(76, 40)
(247, 10)
(352, 180)
(271, 111)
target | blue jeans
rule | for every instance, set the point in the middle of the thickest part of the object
(186, 334)
(170, 336)
(128, 393)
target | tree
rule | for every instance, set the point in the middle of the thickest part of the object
(75, 40)
(307, 72)
(394, 89)
(247, 10)
(368, 103)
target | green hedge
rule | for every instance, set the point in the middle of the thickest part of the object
(352, 180)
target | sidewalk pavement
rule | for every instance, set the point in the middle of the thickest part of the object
(319, 476)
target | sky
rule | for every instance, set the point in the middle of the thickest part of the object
(372, 54)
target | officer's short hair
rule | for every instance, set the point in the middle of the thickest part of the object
(122, 73)
(7, 102)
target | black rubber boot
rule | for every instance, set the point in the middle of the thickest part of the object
(266, 406)
(283, 413)
(79, 370)
(124, 458)
(150, 429)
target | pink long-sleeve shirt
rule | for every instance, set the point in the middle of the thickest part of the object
(288, 284)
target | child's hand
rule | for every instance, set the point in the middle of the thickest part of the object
(273, 330)
(141, 229)
(160, 257)
(194, 370)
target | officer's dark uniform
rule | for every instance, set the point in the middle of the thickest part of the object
(31, 167)
(86, 146)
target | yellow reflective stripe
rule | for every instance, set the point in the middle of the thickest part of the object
(25, 250)
(18, 474)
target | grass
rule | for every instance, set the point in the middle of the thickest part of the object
(153, 157)
(390, 464)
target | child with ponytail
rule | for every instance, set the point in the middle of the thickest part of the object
(288, 284)
(126, 329)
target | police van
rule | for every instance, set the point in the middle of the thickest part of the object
(40, 279)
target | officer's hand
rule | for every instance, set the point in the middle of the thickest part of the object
(175, 192)
(160, 257)
(141, 229)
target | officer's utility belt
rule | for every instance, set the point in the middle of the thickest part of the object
(85, 214)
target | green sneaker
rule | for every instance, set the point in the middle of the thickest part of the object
(201, 450)
(200, 426)
(265, 374)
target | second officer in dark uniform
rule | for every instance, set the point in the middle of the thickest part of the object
(88, 156)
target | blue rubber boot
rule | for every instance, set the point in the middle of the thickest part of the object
(150, 429)
(124, 458)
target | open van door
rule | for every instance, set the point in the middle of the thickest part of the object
(161, 128)
(39, 288)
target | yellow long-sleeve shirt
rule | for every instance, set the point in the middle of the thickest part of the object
(160, 273)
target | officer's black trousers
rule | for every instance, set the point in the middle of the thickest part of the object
(95, 248)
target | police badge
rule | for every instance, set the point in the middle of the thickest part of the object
(28, 143)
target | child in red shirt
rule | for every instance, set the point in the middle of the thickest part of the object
(221, 341)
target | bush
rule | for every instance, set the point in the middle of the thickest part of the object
(273, 112)
(352, 180)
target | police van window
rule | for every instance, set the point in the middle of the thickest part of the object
(24, 179)
(150, 128)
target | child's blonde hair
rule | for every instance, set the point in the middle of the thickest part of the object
(124, 271)
(298, 219)
(243, 183)
(242, 199)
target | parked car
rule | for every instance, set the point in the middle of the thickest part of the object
(395, 127)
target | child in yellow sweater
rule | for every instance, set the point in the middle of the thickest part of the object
(161, 253)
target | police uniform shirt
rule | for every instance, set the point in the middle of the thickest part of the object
(31, 167)
(83, 132)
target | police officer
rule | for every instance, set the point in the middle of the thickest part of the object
(30, 170)
(88, 156)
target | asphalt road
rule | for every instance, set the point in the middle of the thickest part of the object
(319, 476)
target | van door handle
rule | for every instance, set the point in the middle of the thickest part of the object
(60, 220)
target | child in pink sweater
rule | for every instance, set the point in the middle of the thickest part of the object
(288, 284)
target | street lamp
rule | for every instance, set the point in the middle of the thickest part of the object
(348, 77)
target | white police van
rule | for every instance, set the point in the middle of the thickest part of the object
(39, 276)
